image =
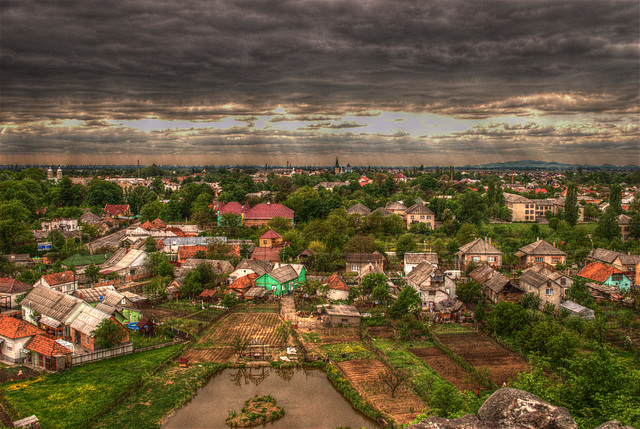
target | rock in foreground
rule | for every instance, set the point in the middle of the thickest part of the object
(514, 409)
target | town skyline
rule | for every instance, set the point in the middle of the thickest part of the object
(376, 83)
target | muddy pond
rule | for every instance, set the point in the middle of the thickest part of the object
(307, 396)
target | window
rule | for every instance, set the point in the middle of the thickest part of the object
(555, 259)
(432, 292)
(493, 259)
(539, 259)
(448, 291)
(475, 258)
(354, 268)
(428, 217)
(616, 277)
(563, 281)
(345, 320)
(421, 217)
(9, 348)
(264, 241)
(549, 291)
(412, 217)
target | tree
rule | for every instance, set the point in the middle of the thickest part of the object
(108, 333)
(405, 244)
(381, 294)
(571, 209)
(283, 331)
(473, 208)
(507, 317)
(192, 284)
(14, 229)
(408, 302)
(469, 291)
(615, 198)
(102, 192)
(150, 244)
(579, 292)
(229, 300)
(608, 227)
(479, 314)
(530, 301)
(634, 226)
(93, 272)
(393, 377)
(370, 282)
(360, 244)
(157, 287)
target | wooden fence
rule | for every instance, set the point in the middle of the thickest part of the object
(102, 354)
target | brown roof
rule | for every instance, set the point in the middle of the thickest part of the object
(116, 209)
(541, 247)
(483, 273)
(598, 272)
(533, 278)
(50, 302)
(46, 346)
(258, 266)
(364, 257)
(419, 209)
(358, 208)
(416, 258)
(421, 272)
(268, 211)
(395, 206)
(186, 252)
(266, 254)
(208, 293)
(336, 283)
(270, 234)
(13, 286)
(284, 274)
(148, 225)
(11, 327)
(59, 278)
(497, 282)
(244, 283)
(384, 212)
(603, 255)
(479, 247)
(159, 223)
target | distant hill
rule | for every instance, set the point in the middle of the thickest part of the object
(542, 165)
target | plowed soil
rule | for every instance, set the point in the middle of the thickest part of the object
(260, 326)
(363, 374)
(446, 367)
(217, 355)
(480, 351)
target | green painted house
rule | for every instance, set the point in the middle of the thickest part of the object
(283, 280)
(109, 296)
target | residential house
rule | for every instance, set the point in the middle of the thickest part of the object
(400, 178)
(364, 180)
(59, 225)
(20, 259)
(622, 261)
(331, 185)
(14, 334)
(603, 293)
(396, 208)
(271, 239)
(337, 288)
(431, 284)
(12, 290)
(625, 222)
(109, 296)
(258, 215)
(478, 251)
(248, 266)
(523, 209)
(48, 354)
(65, 282)
(87, 321)
(577, 310)
(368, 269)
(114, 210)
(188, 252)
(606, 274)
(269, 246)
(339, 315)
(541, 252)
(220, 268)
(550, 286)
(281, 280)
(359, 209)
(52, 311)
(495, 286)
(242, 284)
(411, 260)
(126, 264)
(418, 213)
(356, 261)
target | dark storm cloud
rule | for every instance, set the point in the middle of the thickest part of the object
(156, 56)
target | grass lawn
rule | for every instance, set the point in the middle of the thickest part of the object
(166, 390)
(75, 398)
(139, 340)
(350, 350)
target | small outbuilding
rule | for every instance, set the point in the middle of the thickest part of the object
(339, 315)
(578, 310)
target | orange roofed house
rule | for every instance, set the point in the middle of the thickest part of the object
(65, 282)
(117, 210)
(14, 334)
(48, 354)
(606, 274)
(258, 215)
(10, 290)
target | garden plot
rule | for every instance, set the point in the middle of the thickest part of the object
(217, 355)
(381, 332)
(445, 367)
(363, 374)
(480, 351)
(260, 326)
(345, 334)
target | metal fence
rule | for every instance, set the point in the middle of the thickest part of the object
(102, 354)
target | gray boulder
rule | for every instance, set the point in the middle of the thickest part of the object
(513, 409)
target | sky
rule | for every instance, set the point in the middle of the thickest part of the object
(391, 83)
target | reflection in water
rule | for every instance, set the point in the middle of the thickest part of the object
(307, 396)
(286, 373)
(255, 375)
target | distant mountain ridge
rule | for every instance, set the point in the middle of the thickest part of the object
(543, 165)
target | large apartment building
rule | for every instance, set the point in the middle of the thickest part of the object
(523, 209)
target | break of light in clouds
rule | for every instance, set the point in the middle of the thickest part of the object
(375, 83)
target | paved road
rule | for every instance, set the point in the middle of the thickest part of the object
(112, 240)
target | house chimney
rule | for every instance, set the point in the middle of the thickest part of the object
(80, 296)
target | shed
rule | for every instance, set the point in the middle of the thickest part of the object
(578, 310)
(339, 315)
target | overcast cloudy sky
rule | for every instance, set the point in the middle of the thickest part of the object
(373, 82)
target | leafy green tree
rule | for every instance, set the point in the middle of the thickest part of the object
(469, 292)
(571, 209)
(479, 315)
(467, 233)
(634, 226)
(151, 210)
(102, 192)
(381, 293)
(229, 300)
(14, 225)
(530, 301)
(150, 244)
(506, 318)
(360, 244)
(408, 302)
(615, 198)
(157, 287)
(370, 282)
(92, 272)
(405, 244)
(608, 227)
(579, 292)
(473, 208)
(108, 333)
(192, 284)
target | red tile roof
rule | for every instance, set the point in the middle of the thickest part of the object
(208, 293)
(46, 346)
(148, 225)
(270, 234)
(13, 286)
(232, 207)
(159, 223)
(59, 278)
(268, 211)
(177, 231)
(598, 272)
(244, 283)
(11, 327)
(266, 254)
(116, 209)
(335, 282)
(186, 252)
